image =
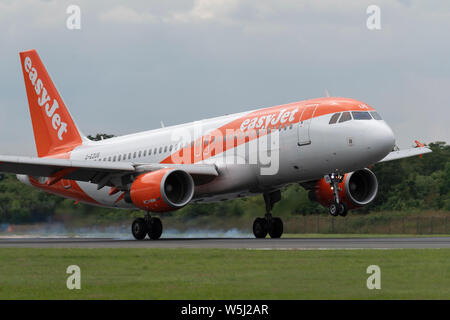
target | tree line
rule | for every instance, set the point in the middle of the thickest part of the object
(418, 183)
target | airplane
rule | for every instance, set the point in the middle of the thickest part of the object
(325, 144)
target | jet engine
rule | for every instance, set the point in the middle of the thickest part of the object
(162, 190)
(356, 190)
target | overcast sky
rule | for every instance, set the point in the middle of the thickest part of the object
(135, 63)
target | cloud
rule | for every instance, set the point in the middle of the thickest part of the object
(207, 10)
(200, 11)
(122, 14)
(138, 62)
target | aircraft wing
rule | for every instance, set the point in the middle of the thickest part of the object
(405, 153)
(98, 172)
(193, 169)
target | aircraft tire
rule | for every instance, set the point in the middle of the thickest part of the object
(343, 209)
(334, 209)
(155, 228)
(276, 228)
(260, 228)
(139, 228)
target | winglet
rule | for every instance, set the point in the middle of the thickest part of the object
(419, 145)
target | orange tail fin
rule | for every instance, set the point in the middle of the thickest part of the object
(55, 133)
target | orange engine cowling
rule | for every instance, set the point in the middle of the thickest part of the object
(162, 190)
(357, 189)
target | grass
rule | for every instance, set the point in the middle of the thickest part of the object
(223, 274)
(359, 235)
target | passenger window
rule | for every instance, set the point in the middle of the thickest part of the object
(165, 149)
(346, 116)
(170, 148)
(145, 153)
(376, 116)
(334, 118)
(109, 158)
(160, 149)
(149, 152)
(134, 155)
(129, 155)
(120, 157)
(361, 115)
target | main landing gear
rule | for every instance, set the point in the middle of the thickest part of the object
(147, 225)
(269, 224)
(336, 208)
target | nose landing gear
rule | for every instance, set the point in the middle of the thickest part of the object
(336, 208)
(148, 225)
(269, 224)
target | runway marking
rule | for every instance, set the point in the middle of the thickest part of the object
(234, 243)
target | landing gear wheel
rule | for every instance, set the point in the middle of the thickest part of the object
(337, 207)
(343, 209)
(334, 209)
(260, 228)
(155, 228)
(276, 228)
(139, 229)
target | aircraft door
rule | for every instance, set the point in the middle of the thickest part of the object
(305, 123)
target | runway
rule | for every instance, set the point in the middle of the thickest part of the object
(233, 243)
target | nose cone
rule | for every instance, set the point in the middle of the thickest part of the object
(387, 138)
(380, 140)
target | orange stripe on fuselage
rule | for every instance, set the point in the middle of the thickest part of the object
(290, 113)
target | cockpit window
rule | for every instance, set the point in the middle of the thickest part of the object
(334, 118)
(376, 116)
(346, 116)
(361, 115)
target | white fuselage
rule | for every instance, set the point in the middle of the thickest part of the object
(302, 150)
